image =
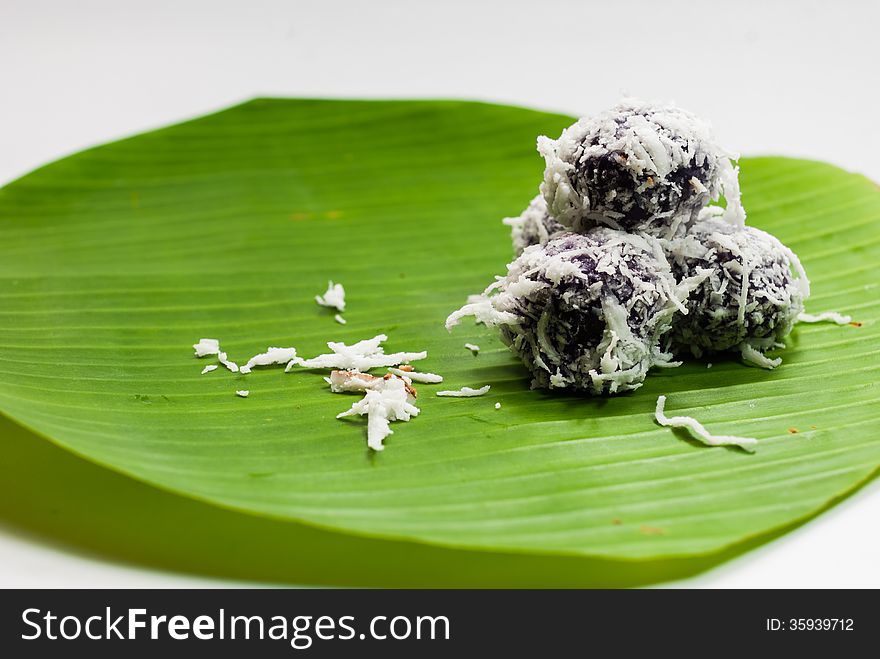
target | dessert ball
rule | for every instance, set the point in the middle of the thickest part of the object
(639, 167)
(584, 311)
(750, 299)
(535, 226)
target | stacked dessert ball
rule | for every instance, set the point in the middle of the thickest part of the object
(623, 264)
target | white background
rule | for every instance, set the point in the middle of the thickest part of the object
(792, 78)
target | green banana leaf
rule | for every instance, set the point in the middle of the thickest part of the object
(116, 260)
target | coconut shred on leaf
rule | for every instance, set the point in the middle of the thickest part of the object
(270, 357)
(228, 363)
(351, 381)
(465, 392)
(699, 430)
(387, 399)
(360, 356)
(334, 297)
(825, 317)
(414, 376)
(207, 347)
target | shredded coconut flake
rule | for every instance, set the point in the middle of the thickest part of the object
(271, 356)
(209, 368)
(361, 356)
(472, 347)
(390, 401)
(207, 347)
(231, 365)
(353, 381)
(427, 378)
(334, 297)
(465, 392)
(697, 428)
(244, 393)
(341, 381)
(756, 357)
(339, 319)
(484, 312)
(827, 316)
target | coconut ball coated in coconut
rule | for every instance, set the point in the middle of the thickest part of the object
(639, 167)
(535, 226)
(584, 311)
(751, 298)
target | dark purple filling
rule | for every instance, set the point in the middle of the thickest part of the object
(598, 177)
